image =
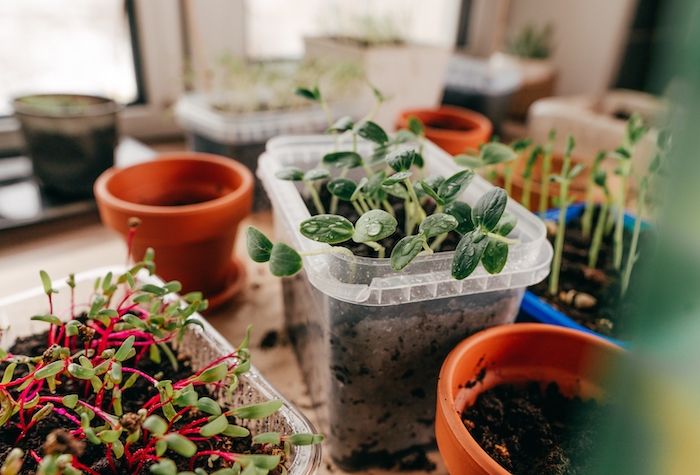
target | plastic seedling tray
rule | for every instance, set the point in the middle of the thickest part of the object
(203, 345)
(540, 310)
(371, 340)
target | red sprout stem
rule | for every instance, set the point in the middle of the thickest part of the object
(225, 455)
(150, 379)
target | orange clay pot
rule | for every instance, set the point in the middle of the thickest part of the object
(578, 362)
(454, 129)
(190, 205)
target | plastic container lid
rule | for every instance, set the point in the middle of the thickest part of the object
(372, 281)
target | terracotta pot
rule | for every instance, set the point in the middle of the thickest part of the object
(190, 205)
(454, 129)
(578, 362)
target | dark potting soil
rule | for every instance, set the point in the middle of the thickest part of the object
(529, 431)
(611, 313)
(346, 209)
(93, 456)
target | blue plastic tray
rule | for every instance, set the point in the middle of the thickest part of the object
(541, 311)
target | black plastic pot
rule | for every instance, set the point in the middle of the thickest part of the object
(70, 138)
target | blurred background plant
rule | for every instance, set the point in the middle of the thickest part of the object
(531, 42)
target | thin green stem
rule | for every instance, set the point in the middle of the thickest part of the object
(503, 239)
(620, 219)
(508, 173)
(544, 192)
(525, 199)
(632, 255)
(437, 242)
(326, 110)
(418, 208)
(389, 209)
(598, 233)
(427, 249)
(363, 203)
(316, 199)
(587, 218)
(357, 208)
(377, 247)
(559, 239)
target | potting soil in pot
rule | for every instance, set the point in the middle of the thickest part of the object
(610, 313)
(93, 456)
(529, 431)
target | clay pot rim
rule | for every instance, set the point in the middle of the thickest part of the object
(446, 400)
(101, 191)
(477, 121)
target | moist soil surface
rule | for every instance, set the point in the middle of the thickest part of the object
(94, 456)
(610, 314)
(529, 431)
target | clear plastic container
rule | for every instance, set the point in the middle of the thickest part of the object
(203, 345)
(371, 340)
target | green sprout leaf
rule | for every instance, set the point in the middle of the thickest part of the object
(258, 411)
(396, 178)
(493, 153)
(462, 212)
(401, 159)
(258, 245)
(52, 319)
(267, 438)
(416, 126)
(304, 439)
(506, 224)
(265, 462)
(468, 254)
(342, 124)
(344, 160)
(358, 189)
(437, 224)
(469, 161)
(343, 188)
(51, 370)
(576, 170)
(327, 228)
(284, 260)
(46, 282)
(370, 131)
(453, 187)
(164, 467)
(316, 174)
(290, 174)
(208, 406)
(374, 226)
(9, 372)
(495, 256)
(155, 424)
(236, 431)
(124, 349)
(216, 426)
(405, 251)
(488, 210)
(213, 374)
(181, 444)
(310, 94)
(428, 190)
(81, 372)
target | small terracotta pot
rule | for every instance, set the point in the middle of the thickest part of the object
(516, 354)
(454, 129)
(190, 205)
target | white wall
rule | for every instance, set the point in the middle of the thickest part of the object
(589, 38)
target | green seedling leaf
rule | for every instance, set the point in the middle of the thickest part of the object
(265, 462)
(52, 319)
(403, 136)
(576, 170)
(570, 144)
(90, 435)
(155, 424)
(469, 161)
(153, 289)
(258, 245)
(401, 160)
(304, 439)
(397, 190)
(213, 374)
(290, 174)
(310, 94)
(468, 254)
(600, 177)
(7, 375)
(343, 188)
(109, 436)
(173, 287)
(124, 349)
(434, 181)
(81, 372)
(358, 189)
(373, 226)
(134, 321)
(462, 212)
(284, 260)
(267, 438)
(43, 412)
(164, 467)
(327, 228)
(520, 145)
(70, 401)
(488, 210)
(370, 131)
(495, 256)
(493, 153)
(258, 411)
(396, 178)
(416, 126)
(437, 224)
(46, 282)
(506, 224)
(187, 399)
(118, 448)
(428, 190)
(316, 174)
(342, 124)
(216, 426)
(161, 447)
(453, 187)
(418, 160)
(51, 370)
(208, 406)
(405, 251)
(346, 160)
(181, 444)
(131, 381)
(527, 173)
(374, 184)
(236, 431)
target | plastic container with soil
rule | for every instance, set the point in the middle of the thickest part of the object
(202, 344)
(454, 129)
(70, 139)
(538, 309)
(371, 340)
(243, 136)
(579, 363)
